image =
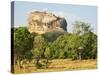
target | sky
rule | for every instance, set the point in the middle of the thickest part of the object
(70, 12)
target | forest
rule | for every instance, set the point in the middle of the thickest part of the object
(42, 50)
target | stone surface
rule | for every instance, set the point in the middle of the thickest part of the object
(42, 22)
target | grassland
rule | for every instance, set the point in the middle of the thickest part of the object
(59, 65)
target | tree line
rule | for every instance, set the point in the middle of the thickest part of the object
(81, 44)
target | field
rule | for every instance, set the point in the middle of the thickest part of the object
(59, 65)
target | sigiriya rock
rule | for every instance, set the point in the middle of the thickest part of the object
(42, 22)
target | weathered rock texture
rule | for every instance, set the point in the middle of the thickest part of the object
(42, 22)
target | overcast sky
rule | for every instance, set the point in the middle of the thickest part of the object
(71, 13)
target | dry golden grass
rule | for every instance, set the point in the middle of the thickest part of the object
(59, 65)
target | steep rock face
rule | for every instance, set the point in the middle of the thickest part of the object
(42, 22)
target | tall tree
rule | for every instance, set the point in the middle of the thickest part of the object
(88, 40)
(38, 48)
(89, 45)
(80, 27)
(23, 43)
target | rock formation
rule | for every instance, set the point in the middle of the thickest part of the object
(42, 22)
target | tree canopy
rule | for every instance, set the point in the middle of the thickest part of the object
(81, 44)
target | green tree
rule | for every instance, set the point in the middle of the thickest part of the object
(80, 27)
(23, 43)
(88, 40)
(73, 45)
(89, 45)
(38, 49)
(60, 46)
(48, 55)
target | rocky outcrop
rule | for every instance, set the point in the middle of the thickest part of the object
(42, 22)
